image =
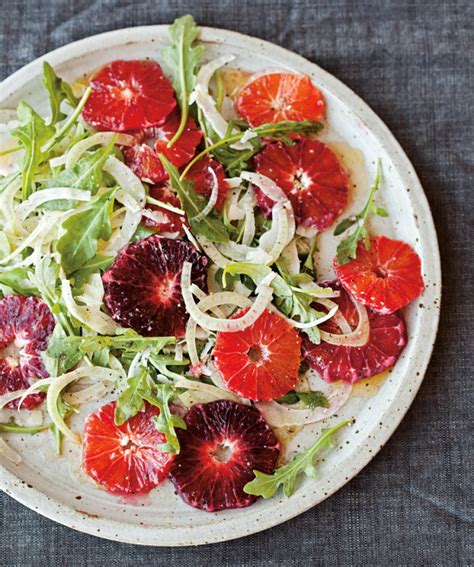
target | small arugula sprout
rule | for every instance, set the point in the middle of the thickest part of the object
(140, 389)
(347, 248)
(182, 56)
(267, 485)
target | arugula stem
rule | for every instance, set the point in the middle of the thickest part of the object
(12, 427)
(10, 151)
(219, 144)
(164, 205)
(69, 122)
(184, 95)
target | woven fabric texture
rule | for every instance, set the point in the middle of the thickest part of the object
(411, 61)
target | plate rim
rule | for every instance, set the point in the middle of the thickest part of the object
(111, 529)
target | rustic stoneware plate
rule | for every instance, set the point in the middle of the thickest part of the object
(57, 489)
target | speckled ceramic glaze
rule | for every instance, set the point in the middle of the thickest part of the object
(58, 489)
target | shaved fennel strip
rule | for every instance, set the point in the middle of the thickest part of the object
(207, 388)
(280, 415)
(100, 138)
(208, 105)
(91, 316)
(212, 199)
(57, 386)
(207, 303)
(216, 324)
(9, 453)
(54, 193)
(356, 338)
(89, 394)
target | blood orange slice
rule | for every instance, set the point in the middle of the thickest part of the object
(26, 323)
(129, 95)
(204, 180)
(223, 444)
(386, 277)
(387, 338)
(124, 459)
(261, 362)
(279, 97)
(143, 157)
(312, 177)
(143, 285)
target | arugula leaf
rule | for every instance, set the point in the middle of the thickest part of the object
(292, 301)
(87, 174)
(130, 401)
(267, 485)
(182, 57)
(347, 248)
(58, 90)
(128, 341)
(212, 226)
(92, 266)
(64, 409)
(166, 422)
(18, 280)
(12, 427)
(32, 134)
(235, 161)
(162, 361)
(142, 232)
(312, 400)
(61, 355)
(82, 231)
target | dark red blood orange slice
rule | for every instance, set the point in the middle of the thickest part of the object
(386, 277)
(312, 177)
(124, 459)
(129, 95)
(26, 323)
(261, 362)
(279, 97)
(204, 180)
(223, 444)
(143, 285)
(387, 338)
(165, 222)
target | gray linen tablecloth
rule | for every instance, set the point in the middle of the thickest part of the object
(412, 62)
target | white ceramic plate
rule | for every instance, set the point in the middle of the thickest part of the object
(56, 489)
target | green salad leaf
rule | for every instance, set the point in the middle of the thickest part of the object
(129, 340)
(82, 231)
(58, 91)
(140, 389)
(32, 134)
(95, 264)
(61, 355)
(347, 248)
(166, 422)
(130, 401)
(18, 279)
(87, 174)
(212, 226)
(294, 302)
(182, 56)
(267, 485)
(312, 400)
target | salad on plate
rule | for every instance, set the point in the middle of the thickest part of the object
(160, 234)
